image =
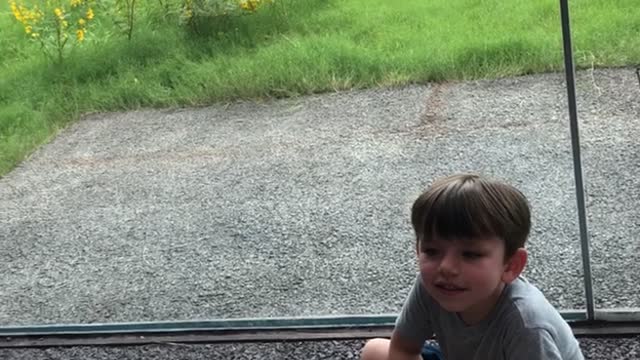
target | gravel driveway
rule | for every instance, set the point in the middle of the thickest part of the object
(301, 206)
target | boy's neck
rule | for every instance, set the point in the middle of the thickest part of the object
(482, 310)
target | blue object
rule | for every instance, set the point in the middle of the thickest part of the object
(431, 352)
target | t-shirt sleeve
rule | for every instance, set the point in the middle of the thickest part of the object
(532, 344)
(414, 321)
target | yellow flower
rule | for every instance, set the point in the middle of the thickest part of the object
(80, 35)
(18, 16)
(16, 12)
(249, 5)
(76, 3)
(28, 29)
(58, 12)
(81, 22)
(35, 35)
(90, 14)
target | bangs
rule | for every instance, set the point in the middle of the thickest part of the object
(458, 211)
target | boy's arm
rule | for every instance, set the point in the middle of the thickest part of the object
(404, 349)
(413, 325)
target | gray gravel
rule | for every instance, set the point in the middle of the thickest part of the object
(592, 348)
(301, 206)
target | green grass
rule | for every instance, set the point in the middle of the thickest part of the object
(297, 47)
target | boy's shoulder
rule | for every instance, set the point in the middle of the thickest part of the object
(528, 320)
(525, 307)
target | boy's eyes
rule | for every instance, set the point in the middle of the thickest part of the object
(430, 251)
(471, 255)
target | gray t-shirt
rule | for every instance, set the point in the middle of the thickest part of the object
(523, 325)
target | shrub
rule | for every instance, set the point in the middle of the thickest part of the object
(199, 13)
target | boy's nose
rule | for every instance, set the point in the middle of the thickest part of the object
(448, 265)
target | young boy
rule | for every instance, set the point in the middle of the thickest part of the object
(470, 237)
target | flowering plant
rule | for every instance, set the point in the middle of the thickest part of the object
(52, 22)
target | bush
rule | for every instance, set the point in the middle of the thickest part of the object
(204, 15)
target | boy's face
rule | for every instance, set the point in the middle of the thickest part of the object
(467, 277)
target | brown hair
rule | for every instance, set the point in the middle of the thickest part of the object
(469, 206)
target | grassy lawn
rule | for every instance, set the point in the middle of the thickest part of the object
(291, 48)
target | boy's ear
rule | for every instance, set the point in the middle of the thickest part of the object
(515, 265)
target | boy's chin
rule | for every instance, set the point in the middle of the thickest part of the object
(451, 305)
(454, 308)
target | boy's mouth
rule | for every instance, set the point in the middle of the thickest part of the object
(449, 287)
